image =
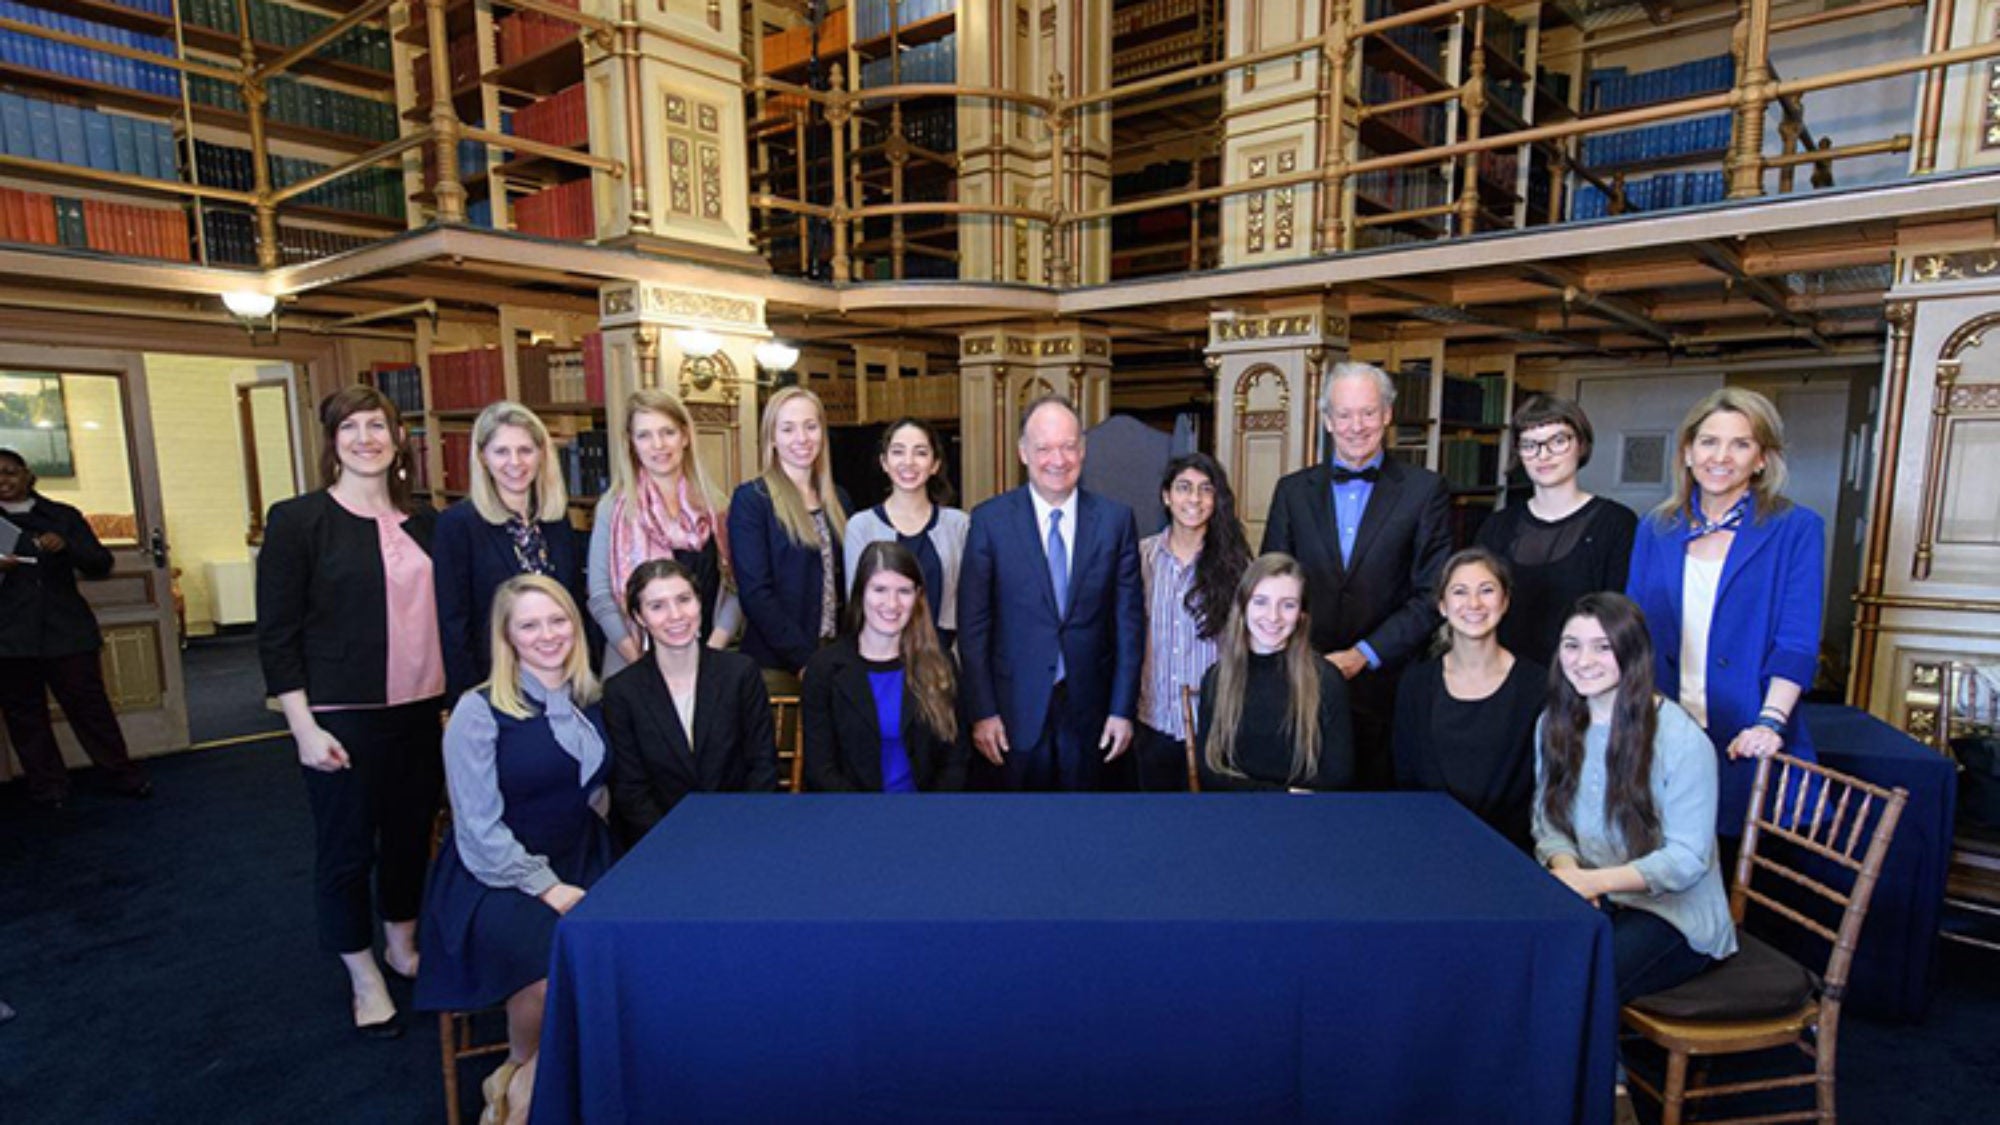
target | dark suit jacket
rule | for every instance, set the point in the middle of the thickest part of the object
(1009, 631)
(777, 580)
(652, 765)
(844, 737)
(42, 613)
(1383, 595)
(472, 558)
(322, 618)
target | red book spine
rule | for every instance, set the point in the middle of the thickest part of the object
(593, 368)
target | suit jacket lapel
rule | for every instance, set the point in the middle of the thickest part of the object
(1090, 529)
(1325, 529)
(1382, 500)
(1752, 536)
(660, 699)
(1038, 536)
(501, 542)
(707, 701)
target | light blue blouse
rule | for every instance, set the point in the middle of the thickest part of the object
(486, 846)
(1683, 878)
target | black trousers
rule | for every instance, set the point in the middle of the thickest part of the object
(374, 819)
(78, 683)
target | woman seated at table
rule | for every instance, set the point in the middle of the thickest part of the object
(1465, 721)
(881, 703)
(1625, 799)
(684, 718)
(1273, 714)
(525, 760)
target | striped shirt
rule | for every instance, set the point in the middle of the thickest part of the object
(1175, 653)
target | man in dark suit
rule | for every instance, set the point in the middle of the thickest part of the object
(1051, 618)
(1371, 533)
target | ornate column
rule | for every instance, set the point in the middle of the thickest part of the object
(666, 100)
(640, 322)
(1268, 363)
(1001, 370)
(1276, 123)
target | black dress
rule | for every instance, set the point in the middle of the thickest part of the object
(1481, 751)
(1555, 563)
(1263, 748)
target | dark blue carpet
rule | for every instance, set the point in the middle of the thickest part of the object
(161, 957)
(222, 672)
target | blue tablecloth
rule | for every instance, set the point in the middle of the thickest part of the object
(1895, 962)
(961, 958)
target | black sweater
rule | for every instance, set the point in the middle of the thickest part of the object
(1263, 748)
(42, 613)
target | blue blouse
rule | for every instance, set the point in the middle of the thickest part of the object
(885, 679)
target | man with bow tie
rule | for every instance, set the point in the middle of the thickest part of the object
(1370, 532)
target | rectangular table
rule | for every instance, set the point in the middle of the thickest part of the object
(1895, 968)
(947, 958)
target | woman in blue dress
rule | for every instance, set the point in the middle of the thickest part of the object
(525, 761)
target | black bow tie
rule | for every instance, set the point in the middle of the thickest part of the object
(1370, 474)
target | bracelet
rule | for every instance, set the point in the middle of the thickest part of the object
(1775, 712)
(1770, 723)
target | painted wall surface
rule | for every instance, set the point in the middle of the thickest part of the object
(202, 475)
(1626, 412)
(102, 485)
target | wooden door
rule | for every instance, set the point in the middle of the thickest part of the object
(95, 441)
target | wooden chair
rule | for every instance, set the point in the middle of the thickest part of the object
(788, 722)
(1813, 843)
(457, 1036)
(1188, 696)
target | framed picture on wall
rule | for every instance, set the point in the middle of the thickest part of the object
(1642, 460)
(34, 421)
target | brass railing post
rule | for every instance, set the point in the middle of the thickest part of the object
(638, 211)
(449, 192)
(1931, 104)
(838, 112)
(1330, 237)
(255, 98)
(1058, 264)
(1754, 91)
(1472, 102)
(897, 151)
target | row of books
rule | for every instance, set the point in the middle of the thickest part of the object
(936, 61)
(1500, 170)
(471, 162)
(230, 235)
(1425, 44)
(1147, 16)
(402, 384)
(1554, 82)
(1510, 94)
(305, 104)
(1614, 87)
(586, 463)
(1402, 189)
(1480, 399)
(1663, 192)
(457, 447)
(875, 18)
(793, 46)
(467, 380)
(1506, 37)
(307, 244)
(1469, 462)
(419, 460)
(69, 134)
(562, 118)
(530, 33)
(369, 191)
(1413, 393)
(563, 211)
(1658, 142)
(18, 48)
(461, 58)
(93, 224)
(1154, 179)
(281, 25)
(549, 376)
(1423, 123)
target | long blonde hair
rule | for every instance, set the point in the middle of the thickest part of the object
(626, 472)
(503, 690)
(786, 501)
(547, 496)
(1232, 676)
(1766, 427)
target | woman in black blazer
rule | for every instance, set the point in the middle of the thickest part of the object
(515, 521)
(347, 631)
(685, 718)
(880, 704)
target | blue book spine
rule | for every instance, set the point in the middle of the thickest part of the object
(69, 135)
(145, 150)
(42, 129)
(14, 133)
(125, 144)
(97, 142)
(169, 153)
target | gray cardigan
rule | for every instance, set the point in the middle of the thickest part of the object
(947, 535)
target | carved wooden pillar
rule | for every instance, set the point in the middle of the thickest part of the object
(1277, 118)
(1268, 364)
(1001, 370)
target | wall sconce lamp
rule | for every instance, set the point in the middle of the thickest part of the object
(700, 367)
(255, 311)
(775, 358)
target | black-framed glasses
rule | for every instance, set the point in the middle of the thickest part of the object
(1553, 446)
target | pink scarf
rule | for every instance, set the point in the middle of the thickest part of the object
(642, 529)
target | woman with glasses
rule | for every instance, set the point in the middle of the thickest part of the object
(1563, 543)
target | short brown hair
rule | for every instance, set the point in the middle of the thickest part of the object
(343, 404)
(1554, 410)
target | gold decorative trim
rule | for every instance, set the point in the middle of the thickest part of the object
(712, 414)
(1263, 328)
(1948, 605)
(1248, 381)
(1262, 421)
(980, 345)
(1902, 318)
(1962, 265)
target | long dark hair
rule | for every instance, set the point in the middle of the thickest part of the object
(926, 669)
(1628, 766)
(1232, 675)
(343, 404)
(936, 487)
(644, 574)
(1225, 552)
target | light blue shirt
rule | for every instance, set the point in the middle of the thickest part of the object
(1683, 878)
(1350, 503)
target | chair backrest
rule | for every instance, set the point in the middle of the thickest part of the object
(786, 721)
(1188, 696)
(1813, 844)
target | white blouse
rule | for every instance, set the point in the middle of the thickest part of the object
(1700, 581)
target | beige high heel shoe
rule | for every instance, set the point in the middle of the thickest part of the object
(494, 1089)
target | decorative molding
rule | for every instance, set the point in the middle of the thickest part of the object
(1961, 265)
(632, 302)
(980, 345)
(717, 414)
(1262, 421)
(1950, 398)
(1269, 328)
(1247, 382)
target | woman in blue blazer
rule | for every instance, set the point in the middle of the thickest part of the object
(1731, 577)
(515, 521)
(785, 528)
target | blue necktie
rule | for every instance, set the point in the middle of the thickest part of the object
(1058, 575)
